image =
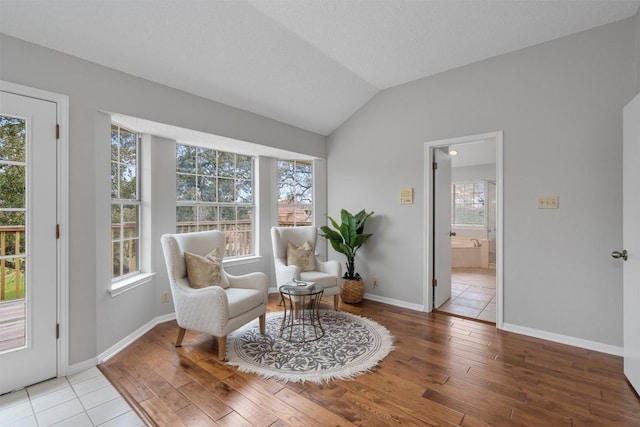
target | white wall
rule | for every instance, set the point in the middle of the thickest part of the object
(97, 321)
(560, 107)
(638, 51)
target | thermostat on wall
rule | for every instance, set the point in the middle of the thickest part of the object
(406, 196)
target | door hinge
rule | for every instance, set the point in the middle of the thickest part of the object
(57, 330)
(57, 231)
(434, 282)
(57, 131)
(434, 165)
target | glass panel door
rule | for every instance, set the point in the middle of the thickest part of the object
(28, 245)
(13, 167)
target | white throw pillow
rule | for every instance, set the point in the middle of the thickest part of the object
(302, 256)
(204, 271)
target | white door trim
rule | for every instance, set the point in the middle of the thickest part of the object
(428, 217)
(62, 211)
(630, 242)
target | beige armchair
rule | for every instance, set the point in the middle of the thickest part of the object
(213, 310)
(328, 274)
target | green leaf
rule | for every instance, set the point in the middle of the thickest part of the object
(347, 250)
(361, 218)
(349, 236)
(334, 223)
(331, 235)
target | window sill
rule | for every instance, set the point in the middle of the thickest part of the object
(240, 261)
(122, 286)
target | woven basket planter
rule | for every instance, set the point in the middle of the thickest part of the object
(352, 291)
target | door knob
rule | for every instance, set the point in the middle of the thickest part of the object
(452, 233)
(618, 254)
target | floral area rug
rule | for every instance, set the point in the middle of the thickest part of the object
(351, 345)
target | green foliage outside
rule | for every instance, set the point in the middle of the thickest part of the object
(10, 287)
(125, 210)
(214, 191)
(208, 179)
(124, 157)
(12, 170)
(12, 196)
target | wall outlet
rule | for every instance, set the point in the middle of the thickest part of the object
(164, 297)
(375, 281)
(548, 202)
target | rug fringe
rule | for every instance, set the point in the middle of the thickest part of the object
(345, 373)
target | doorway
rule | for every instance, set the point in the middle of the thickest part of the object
(30, 250)
(464, 239)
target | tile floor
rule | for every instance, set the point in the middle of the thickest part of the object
(84, 399)
(473, 293)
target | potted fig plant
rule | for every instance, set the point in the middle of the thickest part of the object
(347, 238)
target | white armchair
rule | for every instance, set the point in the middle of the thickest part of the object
(213, 309)
(328, 274)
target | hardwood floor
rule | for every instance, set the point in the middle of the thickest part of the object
(444, 371)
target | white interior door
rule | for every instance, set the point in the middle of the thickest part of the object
(491, 220)
(631, 242)
(442, 227)
(28, 252)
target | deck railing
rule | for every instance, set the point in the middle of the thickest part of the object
(238, 234)
(11, 266)
(239, 242)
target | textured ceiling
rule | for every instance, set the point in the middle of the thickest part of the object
(308, 63)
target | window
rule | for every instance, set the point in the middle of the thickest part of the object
(13, 173)
(467, 204)
(214, 191)
(125, 203)
(295, 193)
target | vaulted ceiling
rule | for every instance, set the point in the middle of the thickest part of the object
(308, 63)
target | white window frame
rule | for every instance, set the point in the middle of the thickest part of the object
(132, 277)
(295, 206)
(453, 203)
(236, 205)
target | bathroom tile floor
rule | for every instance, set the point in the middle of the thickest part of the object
(473, 293)
(83, 399)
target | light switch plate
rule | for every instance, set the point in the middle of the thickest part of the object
(551, 202)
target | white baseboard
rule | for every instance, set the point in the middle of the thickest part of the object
(76, 368)
(564, 339)
(118, 347)
(126, 341)
(385, 300)
(395, 302)
(536, 333)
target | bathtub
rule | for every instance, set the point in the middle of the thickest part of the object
(467, 252)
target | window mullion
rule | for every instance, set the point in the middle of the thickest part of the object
(120, 243)
(206, 208)
(127, 161)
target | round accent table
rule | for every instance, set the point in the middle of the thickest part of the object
(301, 320)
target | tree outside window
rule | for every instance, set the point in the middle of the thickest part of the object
(295, 193)
(13, 165)
(125, 203)
(214, 191)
